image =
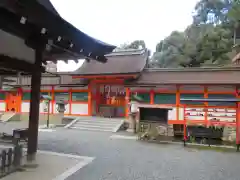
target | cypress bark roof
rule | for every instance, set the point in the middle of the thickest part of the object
(127, 62)
(214, 76)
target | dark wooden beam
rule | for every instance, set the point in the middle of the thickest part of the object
(17, 64)
(34, 106)
(62, 49)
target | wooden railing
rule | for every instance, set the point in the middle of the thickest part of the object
(10, 160)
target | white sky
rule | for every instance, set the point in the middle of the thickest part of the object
(120, 21)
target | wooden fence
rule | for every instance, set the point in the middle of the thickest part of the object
(10, 160)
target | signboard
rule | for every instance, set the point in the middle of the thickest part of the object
(9, 88)
(213, 114)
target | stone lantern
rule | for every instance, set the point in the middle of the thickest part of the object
(61, 108)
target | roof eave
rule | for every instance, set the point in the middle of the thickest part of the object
(77, 42)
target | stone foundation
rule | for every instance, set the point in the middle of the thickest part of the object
(229, 134)
(155, 131)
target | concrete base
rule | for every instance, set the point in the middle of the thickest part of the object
(51, 166)
(44, 126)
(130, 130)
(132, 123)
(31, 158)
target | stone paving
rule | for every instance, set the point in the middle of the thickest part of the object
(49, 167)
(127, 159)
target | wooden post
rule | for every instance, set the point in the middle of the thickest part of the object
(70, 101)
(52, 101)
(127, 97)
(237, 125)
(90, 99)
(237, 119)
(34, 106)
(206, 105)
(48, 114)
(177, 103)
(184, 127)
(97, 98)
(151, 96)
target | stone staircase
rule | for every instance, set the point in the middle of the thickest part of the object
(97, 124)
(6, 116)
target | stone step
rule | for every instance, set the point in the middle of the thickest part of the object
(100, 119)
(96, 123)
(92, 129)
(94, 126)
(7, 116)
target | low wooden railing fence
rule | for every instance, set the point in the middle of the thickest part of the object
(10, 160)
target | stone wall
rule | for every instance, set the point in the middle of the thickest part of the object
(229, 134)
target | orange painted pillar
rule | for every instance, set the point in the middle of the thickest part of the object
(90, 99)
(205, 105)
(20, 93)
(177, 102)
(97, 98)
(185, 127)
(6, 100)
(52, 102)
(152, 96)
(70, 101)
(127, 100)
(237, 118)
(237, 123)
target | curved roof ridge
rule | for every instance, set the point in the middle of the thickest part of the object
(229, 68)
(118, 63)
(127, 52)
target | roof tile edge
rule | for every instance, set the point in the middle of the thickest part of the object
(192, 69)
(127, 52)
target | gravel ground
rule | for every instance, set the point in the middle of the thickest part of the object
(117, 159)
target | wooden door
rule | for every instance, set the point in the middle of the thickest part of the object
(13, 101)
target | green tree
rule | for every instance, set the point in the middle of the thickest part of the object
(137, 44)
(212, 11)
(193, 47)
(208, 40)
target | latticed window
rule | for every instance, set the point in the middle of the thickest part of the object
(144, 97)
(80, 96)
(2, 96)
(61, 96)
(221, 96)
(26, 96)
(161, 98)
(192, 96)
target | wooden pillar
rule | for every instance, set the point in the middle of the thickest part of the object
(97, 98)
(237, 122)
(34, 106)
(151, 96)
(237, 118)
(70, 101)
(127, 100)
(206, 105)
(185, 127)
(90, 99)
(52, 101)
(177, 102)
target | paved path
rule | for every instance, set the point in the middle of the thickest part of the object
(124, 159)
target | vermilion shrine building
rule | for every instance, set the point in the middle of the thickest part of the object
(104, 89)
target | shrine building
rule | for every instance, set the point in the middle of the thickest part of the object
(105, 89)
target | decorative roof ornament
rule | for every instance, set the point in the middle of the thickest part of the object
(59, 38)
(43, 30)
(23, 20)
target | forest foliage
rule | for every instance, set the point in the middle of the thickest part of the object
(208, 41)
